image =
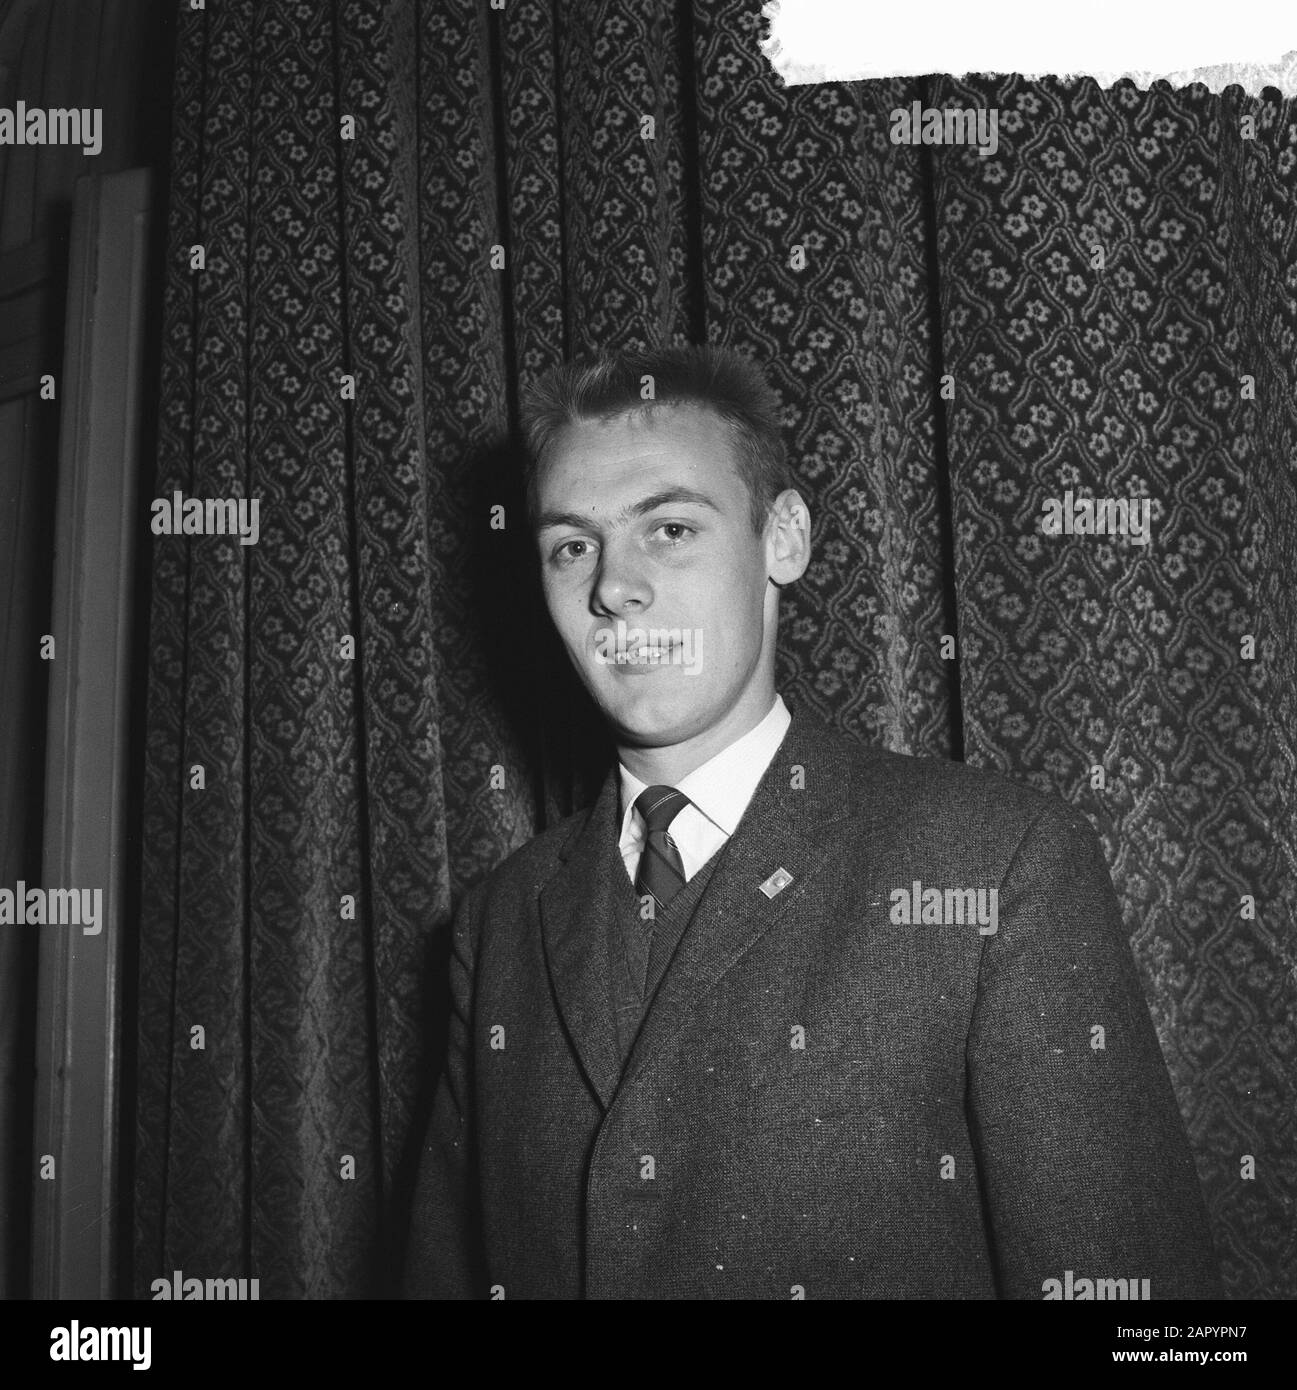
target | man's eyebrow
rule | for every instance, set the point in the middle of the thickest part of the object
(667, 497)
(574, 520)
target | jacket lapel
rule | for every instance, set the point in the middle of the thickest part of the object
(782, 828)
(575, 909)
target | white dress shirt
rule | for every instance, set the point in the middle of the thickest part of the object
(718, 791)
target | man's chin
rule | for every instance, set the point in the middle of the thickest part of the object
(650, 718)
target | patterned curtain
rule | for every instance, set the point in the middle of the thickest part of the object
(357, 717)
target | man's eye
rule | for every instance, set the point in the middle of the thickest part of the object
(675, 531)
(571, 550)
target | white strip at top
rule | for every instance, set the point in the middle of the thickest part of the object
(1180, 41)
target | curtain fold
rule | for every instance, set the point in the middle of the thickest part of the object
(951, 353)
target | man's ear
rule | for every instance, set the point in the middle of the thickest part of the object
(788, 538)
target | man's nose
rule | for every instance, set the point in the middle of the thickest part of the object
(621, 582)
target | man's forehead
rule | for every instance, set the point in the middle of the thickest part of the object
(689, 441)
(622, 473)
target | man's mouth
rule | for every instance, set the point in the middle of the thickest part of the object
(636, 651)
(647, 654)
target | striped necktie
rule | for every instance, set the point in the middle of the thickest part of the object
(661, 871)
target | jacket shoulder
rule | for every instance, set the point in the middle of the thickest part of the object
(946, 797)
(533, 862)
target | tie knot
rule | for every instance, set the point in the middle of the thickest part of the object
(659, 806)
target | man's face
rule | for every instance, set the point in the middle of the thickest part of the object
(654, 576)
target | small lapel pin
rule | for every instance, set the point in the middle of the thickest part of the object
(777, 882)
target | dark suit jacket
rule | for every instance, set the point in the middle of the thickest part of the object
(948, 1130)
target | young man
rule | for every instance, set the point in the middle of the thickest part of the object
(780, 1016)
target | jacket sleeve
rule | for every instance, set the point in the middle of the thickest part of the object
(1081, 1150)
(444, 1254)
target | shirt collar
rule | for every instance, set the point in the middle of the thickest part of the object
(724, 785)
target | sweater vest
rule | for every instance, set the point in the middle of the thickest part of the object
(639, 951)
